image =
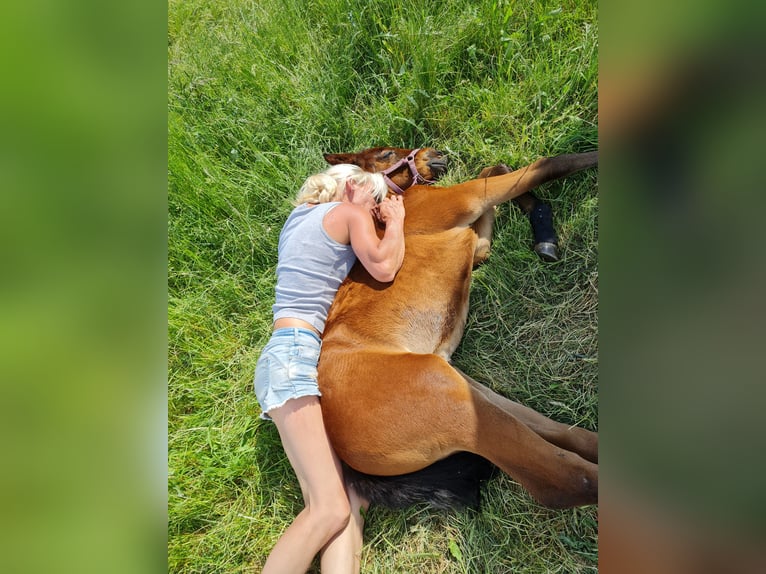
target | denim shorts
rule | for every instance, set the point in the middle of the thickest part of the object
(287, 368)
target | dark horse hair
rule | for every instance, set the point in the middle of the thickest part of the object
(452, 482)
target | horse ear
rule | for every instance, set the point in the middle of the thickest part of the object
(336, 158)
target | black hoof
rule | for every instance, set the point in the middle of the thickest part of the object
(547, 251)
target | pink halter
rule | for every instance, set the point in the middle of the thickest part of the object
(416, 177)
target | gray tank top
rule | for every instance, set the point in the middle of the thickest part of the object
(311, 266)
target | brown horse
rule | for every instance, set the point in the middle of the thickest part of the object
(393, 405)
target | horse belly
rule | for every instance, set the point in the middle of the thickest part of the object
(436, 329)
(432, 291)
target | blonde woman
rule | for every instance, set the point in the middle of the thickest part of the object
(331, 227)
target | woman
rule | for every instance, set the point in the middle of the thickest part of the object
(330, 229)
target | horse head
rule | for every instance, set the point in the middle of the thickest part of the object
(401, 167)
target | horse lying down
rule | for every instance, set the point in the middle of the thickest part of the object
(409, 426)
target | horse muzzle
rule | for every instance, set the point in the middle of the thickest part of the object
(438, 166)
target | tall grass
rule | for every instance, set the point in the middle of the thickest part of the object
(257, 91)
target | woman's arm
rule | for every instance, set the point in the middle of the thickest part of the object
(381, 257)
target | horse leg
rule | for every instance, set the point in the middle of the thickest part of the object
(483, 228)
(462, 204)
(555, 477)
(571, 438)
(526, 202)
(540, 219)
(403, 412)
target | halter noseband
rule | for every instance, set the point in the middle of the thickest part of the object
(416, 177)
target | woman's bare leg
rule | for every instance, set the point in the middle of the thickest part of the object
(320, 475)
(343, 554)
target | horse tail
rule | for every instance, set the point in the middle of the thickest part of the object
(452, 482)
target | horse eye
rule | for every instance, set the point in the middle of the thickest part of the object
(386, 154)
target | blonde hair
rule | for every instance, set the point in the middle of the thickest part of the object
(329, 184)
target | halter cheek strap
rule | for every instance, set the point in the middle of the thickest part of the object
(416, 177)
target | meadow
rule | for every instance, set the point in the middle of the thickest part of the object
(257, 91)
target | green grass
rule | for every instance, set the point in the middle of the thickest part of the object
(257, 91)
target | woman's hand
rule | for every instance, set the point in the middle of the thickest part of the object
(390, 210)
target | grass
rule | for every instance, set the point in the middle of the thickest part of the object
(257, 91)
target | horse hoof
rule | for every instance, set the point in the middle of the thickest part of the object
(547, 251)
